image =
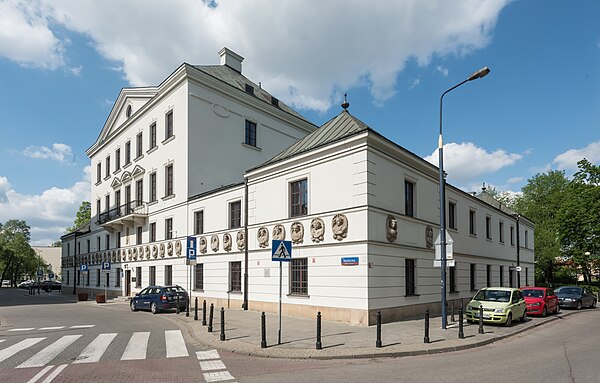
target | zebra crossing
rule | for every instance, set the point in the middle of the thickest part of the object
(40, 351)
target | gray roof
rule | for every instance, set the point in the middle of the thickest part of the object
(340, 127)
(239, 81)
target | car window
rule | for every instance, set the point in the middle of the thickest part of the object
(533, 293)
(144, 292)
(493, 295)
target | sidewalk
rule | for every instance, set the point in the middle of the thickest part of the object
(343, 341)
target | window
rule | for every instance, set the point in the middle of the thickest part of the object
(169, 228)
(128, 111)
(117, 159)
(274, 101)
(138, 277)
(472, 222)
(250, 133)
(98, 277)
(139, 145)
(153, 232)
(235, 214)
(152, 275)
(249, 89)
(526, 239)
(117, 199)
(168, 275)
(127, 152)
(409, 276)
(299, 198)
(235, 276)
(138, 236)
(118, 277)
(68, 277)
(98, 243)
(512, 235)
(199, 222)
(107, 201)
(107, 241)
(118, 240)
(169, 125)
(473, 275)
(107, 170)
(526, 277)
(488, 227)
(488, 274)
(152, 187)
(79, 247)
(153, 135)
(169, 180)
(199, 285)
(87, 278)
(511, 277)
(88, 247)
(501, 231)
(98, 172)
(501, 276)
(299, 276)
(139, 192)
(452, 215)
(452, 271)
(409, 189)
(107, 279)
(98, 208)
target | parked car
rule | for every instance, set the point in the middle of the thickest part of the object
(48, 286)
(575, 297)
(500, 305)
(28, 284)
(540, 301)
(159, 298)
(5, 283)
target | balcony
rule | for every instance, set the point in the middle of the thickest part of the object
(130, 214)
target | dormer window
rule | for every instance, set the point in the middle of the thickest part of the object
(274, 101)
(249, 89)
(128, 111)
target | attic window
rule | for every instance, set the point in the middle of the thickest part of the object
(249, 89)
(128, 111)
(274, 101)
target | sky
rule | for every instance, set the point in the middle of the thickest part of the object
(63, 63)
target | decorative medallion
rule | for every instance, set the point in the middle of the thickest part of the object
(202, 245)
(429, 237)
(214, 243)
(155, 251)
(263, 237)
(178, 248)
(279, 233)
(147, 251)
(227, 242)
(391, 227)
(161, 250)
(317, 230)
(170, 249)
(339, 226)
(240, 240)
(129, 254)
(141, 252)
(297, 233)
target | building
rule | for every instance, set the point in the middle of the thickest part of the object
(50, 256)
(209, 154)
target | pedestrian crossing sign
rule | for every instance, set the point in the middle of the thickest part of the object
(281, 250)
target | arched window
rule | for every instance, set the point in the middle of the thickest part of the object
(128, 111)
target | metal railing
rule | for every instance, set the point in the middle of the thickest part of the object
(135, 206)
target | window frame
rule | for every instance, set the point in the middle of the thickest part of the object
(168, 277)
(117, 159)
(139, 145)
(138, 276)
(452, 215)
(169, 130)
(250, 136)
(298, 194)
(298, 271)
(473, 276)
(198, 222)
(127, 152)
(235, 214)
(410, 277)
(152, 139)
(169, 228)
(152, 276)
(169, 178)
(153, 194)
(409, 198)
(235, 277)
(199, 277)
(107, 165)
(152, 230)
(472, 222)
(501, 231)
(488, 227)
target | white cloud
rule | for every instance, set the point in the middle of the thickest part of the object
(292, 46)
(48, 213)
(442, 70)
(414, 83)
(466, 161)
(58, 152)
(568, 160)
(515, 180)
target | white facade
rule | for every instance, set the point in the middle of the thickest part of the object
(356, 182)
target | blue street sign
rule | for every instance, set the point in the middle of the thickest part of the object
(191, 250)
(281, 250)
(51, 275)
(40, 273)
(349, 261)
(83, 267)
(106, 266)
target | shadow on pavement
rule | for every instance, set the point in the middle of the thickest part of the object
(12, 296)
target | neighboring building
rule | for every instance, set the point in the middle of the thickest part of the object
(50, 256)
(211, 155)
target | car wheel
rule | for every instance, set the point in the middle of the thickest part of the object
(132, 306)
(544, 312)
(557, 310)
(524, 316)
(508, 322)
(593, 306)
(579, 305)
(153, 308)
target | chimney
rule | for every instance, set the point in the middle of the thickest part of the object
(231, 59)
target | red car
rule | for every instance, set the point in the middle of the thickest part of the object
(540, 301)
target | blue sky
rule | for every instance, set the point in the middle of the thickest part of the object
(63, 63)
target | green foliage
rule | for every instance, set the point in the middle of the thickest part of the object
(56, 244)
(16, 255)
(84, 215)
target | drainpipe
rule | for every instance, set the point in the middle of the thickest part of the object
(245, 304)
(75, 264)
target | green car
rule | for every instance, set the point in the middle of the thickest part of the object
(500, 305)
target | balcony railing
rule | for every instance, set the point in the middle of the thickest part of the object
(137, 207)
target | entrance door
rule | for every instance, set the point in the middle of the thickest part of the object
(127, 283)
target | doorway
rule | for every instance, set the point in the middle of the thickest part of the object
(127, 283)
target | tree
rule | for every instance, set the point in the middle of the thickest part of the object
(541, 201)
(56, 244)
(14, 248)
(84, 215)
(579, 219)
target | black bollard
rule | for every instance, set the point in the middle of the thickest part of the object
(426, 337)
(196, 309)
(452, 312)
(204, 312)
(210, 317)
(187, 308)
(222, 324)
(480, 319)
(461, 333)
(319, 345)
(263, 330)
(378, 341)
(177, 305)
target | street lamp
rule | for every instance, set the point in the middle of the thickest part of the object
(479, 74)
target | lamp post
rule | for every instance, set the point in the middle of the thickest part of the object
(479, 74)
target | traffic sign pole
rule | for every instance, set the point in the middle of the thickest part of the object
(280, 288)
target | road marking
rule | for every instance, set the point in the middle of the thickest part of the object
(212, 365)
(175, 344)
(46, 355)
(83, 326)
(40, 374)
(137, 346)
(55, 373)
(205, 355)
(22, 329)
(51, 328)
(94, 351)
(2, 340)
(217, 376)
(22, 345)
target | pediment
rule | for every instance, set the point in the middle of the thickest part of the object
(138, 171)
(116, 183)
(126, 177)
